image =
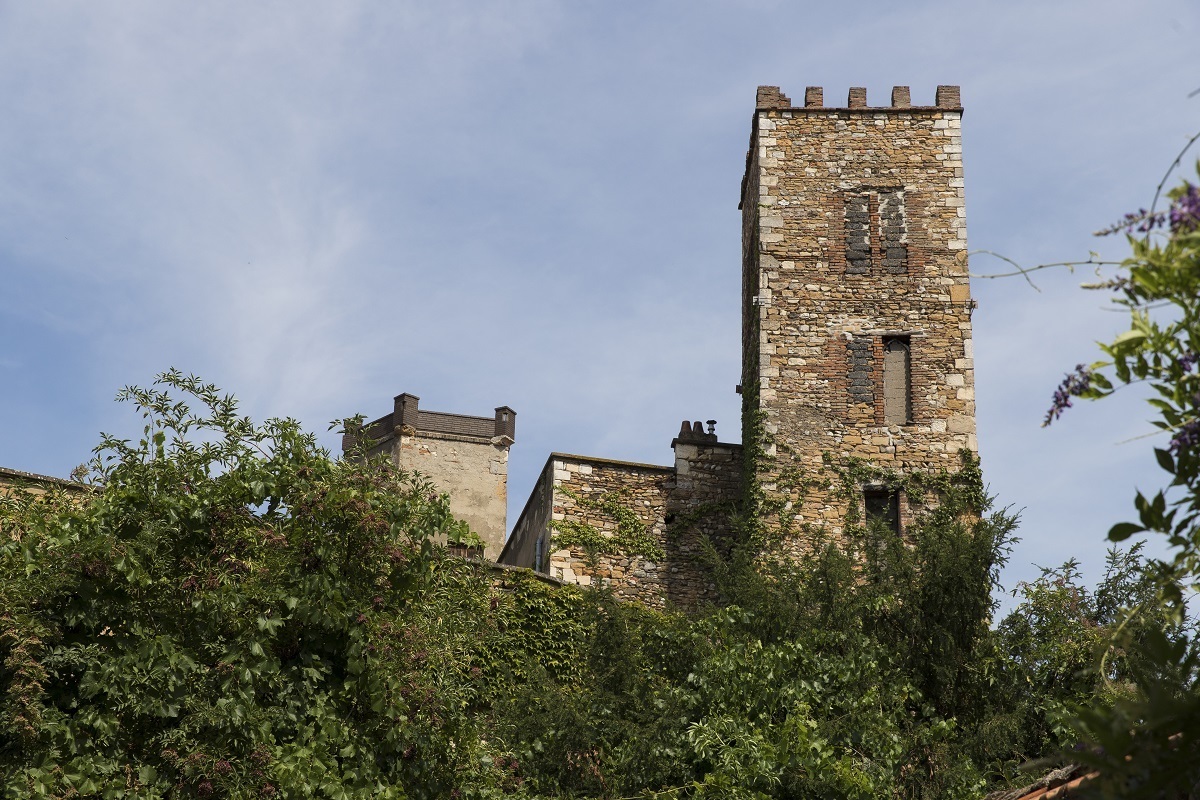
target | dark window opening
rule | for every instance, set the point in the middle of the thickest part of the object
(883, 505)
(897, 380)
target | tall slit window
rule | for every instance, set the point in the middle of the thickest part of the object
(897, 380)
(858, 233)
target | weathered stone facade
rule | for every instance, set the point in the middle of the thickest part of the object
(856, 342)
(677, 506)
(642, 488)
(856, 306)
(464, 456)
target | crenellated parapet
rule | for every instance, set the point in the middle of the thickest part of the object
(770, 97)
(408, 416)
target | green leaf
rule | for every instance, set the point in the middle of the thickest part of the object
(1128, 337)
(1123, 530)
(1165, 460)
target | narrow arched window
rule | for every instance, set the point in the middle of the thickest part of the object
(897, 381)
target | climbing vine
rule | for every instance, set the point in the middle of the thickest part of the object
(631, 536)
(771, 516)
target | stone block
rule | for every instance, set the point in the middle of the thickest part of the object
(960, 424)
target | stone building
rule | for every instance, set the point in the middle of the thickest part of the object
(15, 480)
(856, 308)
(670, 508)
(856, 342)
(465, 456)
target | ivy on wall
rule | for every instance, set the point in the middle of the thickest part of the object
(630, 537)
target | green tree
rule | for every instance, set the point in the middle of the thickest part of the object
(1148, 741)
(234, 614)
(1048, 647)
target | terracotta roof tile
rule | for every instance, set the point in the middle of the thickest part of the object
(1058, 784)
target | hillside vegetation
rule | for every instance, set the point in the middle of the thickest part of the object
(235, 614)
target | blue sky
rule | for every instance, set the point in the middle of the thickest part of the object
(318, 206)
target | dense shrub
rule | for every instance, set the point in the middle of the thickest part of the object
(232, 613)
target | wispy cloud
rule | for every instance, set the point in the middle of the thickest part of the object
(531, 203)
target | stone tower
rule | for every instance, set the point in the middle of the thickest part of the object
(465, 456)
(856, 309)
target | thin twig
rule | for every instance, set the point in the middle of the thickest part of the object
(1024, 271)
(1020, 270)
(1141, 436)
(1145, 307)
(1178, 160)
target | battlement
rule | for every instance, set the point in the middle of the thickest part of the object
(407, 414)
(946, 98)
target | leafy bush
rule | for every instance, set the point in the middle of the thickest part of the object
(232, 613)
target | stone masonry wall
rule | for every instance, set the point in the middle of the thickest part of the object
(464, 456)
(700, 505)
(679, 507)
(15, 481)
(855, 232)
(473, 472)
(632, 577)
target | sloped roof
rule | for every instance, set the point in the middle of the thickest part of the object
(1056, 785)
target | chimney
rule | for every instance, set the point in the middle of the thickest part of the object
(404, 410)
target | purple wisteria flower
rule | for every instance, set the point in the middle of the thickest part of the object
(1182, 217)
(1188, 360)
(1120, 283)
(1073, 385)
(1186, 438)
(1185, 211)
(1140, 221)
